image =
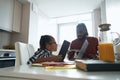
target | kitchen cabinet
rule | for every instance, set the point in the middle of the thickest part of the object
(10, 15)
(6, 14)
(17, 16)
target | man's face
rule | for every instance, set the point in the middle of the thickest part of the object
(80, 34)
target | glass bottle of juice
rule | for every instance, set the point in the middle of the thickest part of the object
(106, 49)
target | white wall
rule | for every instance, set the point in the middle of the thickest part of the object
(96, 15)
(47, 26)
(113, 14)
(103, 12)
(33, 26)
(110, 13)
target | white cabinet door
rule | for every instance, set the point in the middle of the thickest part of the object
(6, 14)
(10, 15)
(17, 16)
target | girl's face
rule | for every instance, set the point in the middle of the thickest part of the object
(52, 46)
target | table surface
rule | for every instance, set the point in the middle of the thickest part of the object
(29, 72)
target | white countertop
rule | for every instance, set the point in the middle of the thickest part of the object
(27, 72)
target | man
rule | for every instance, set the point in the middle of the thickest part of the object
(84, 47)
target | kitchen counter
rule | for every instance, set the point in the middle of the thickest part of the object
(26, 72)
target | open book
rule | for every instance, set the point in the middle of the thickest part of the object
(97, 65)
(55, 65)
(44, 64)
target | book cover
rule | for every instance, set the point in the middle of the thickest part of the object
(97, 65)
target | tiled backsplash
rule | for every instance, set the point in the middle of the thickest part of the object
(4, 38)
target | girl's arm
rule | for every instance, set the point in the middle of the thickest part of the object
(48, 59)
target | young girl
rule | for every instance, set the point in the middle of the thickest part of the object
(44, 53)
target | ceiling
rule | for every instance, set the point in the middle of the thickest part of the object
(60, 8)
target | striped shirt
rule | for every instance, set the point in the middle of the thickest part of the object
(39, 54)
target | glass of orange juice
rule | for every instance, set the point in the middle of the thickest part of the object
(106, 52)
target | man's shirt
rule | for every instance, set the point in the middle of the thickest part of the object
(91, 51)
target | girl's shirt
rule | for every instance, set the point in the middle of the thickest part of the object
(40, 54)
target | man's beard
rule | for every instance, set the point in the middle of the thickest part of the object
(81, 37)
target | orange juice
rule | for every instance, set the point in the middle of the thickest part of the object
(106, 52)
